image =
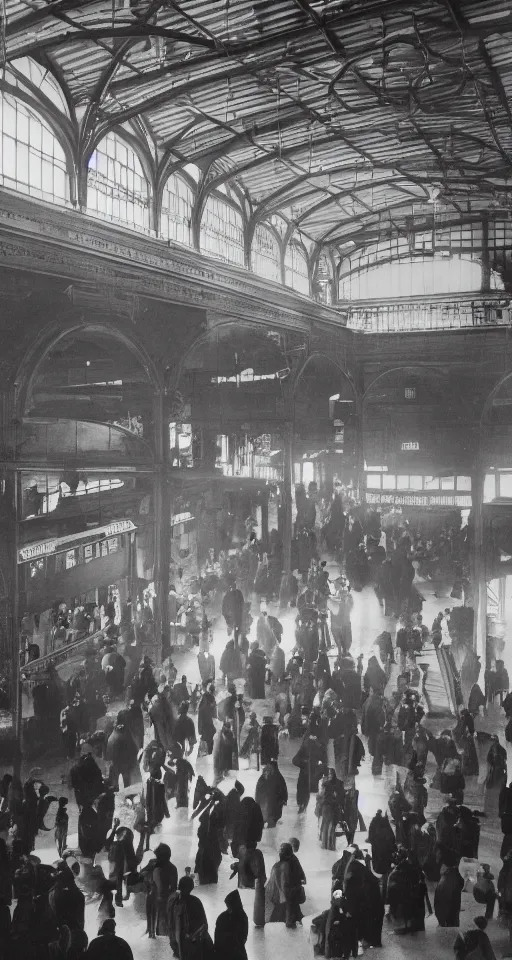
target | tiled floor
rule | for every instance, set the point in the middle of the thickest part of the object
(275, 940)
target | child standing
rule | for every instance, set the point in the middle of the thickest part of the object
(61, 825)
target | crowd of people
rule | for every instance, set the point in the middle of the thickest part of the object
(137, 741)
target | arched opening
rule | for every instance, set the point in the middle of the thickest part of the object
(117, 187)
(84, 455)
(32, 160)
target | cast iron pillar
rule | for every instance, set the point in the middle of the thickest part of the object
(162, 488)
(478, 571)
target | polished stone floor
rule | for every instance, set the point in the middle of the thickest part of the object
(275, 940)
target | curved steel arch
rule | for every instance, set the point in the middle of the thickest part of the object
(318, 355)
(414, 255)
(206, 335)
(493, 393)
(54, 333)
(423, 368)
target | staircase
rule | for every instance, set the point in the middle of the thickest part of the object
(439, 700)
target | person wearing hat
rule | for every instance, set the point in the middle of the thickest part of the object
(107, 945)
(340, 930)
(188, 926)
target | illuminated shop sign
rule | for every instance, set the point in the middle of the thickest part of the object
(46, 547)
(419, 499)
(35, 550)
(119, 526)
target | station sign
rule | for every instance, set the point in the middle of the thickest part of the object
(411, 445)
(44, 548)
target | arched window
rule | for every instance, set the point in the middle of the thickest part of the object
(222, 231)
(266, 258)
(31, 159)
(296, 269)
(117, 188)
(176, 213)
(421, 276)
(40, 78)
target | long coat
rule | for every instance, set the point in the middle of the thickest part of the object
(223, 750)
(161, 717)
(271, 794)
(231, 930)
(256, 666)
(448, 896)
(249, 822)
(382, 840)
(269, 743)
(185, 918)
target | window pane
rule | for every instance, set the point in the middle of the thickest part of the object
(402, 483)
(447, 483)
(388, 481)
(416, 483)
(431, 483)
(505, 485)
(490, 487)
(464, 483)
(373, 481)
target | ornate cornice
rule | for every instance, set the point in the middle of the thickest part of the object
(65, 243)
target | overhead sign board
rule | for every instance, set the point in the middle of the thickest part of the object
(420, 499)
(44, 548)
(411, 445)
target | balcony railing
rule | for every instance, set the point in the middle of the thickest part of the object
(434, 313)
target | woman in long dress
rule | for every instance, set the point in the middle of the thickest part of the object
(330, 809)
(252, 876)
(284, 890)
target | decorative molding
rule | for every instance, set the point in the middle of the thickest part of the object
(34, 236)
